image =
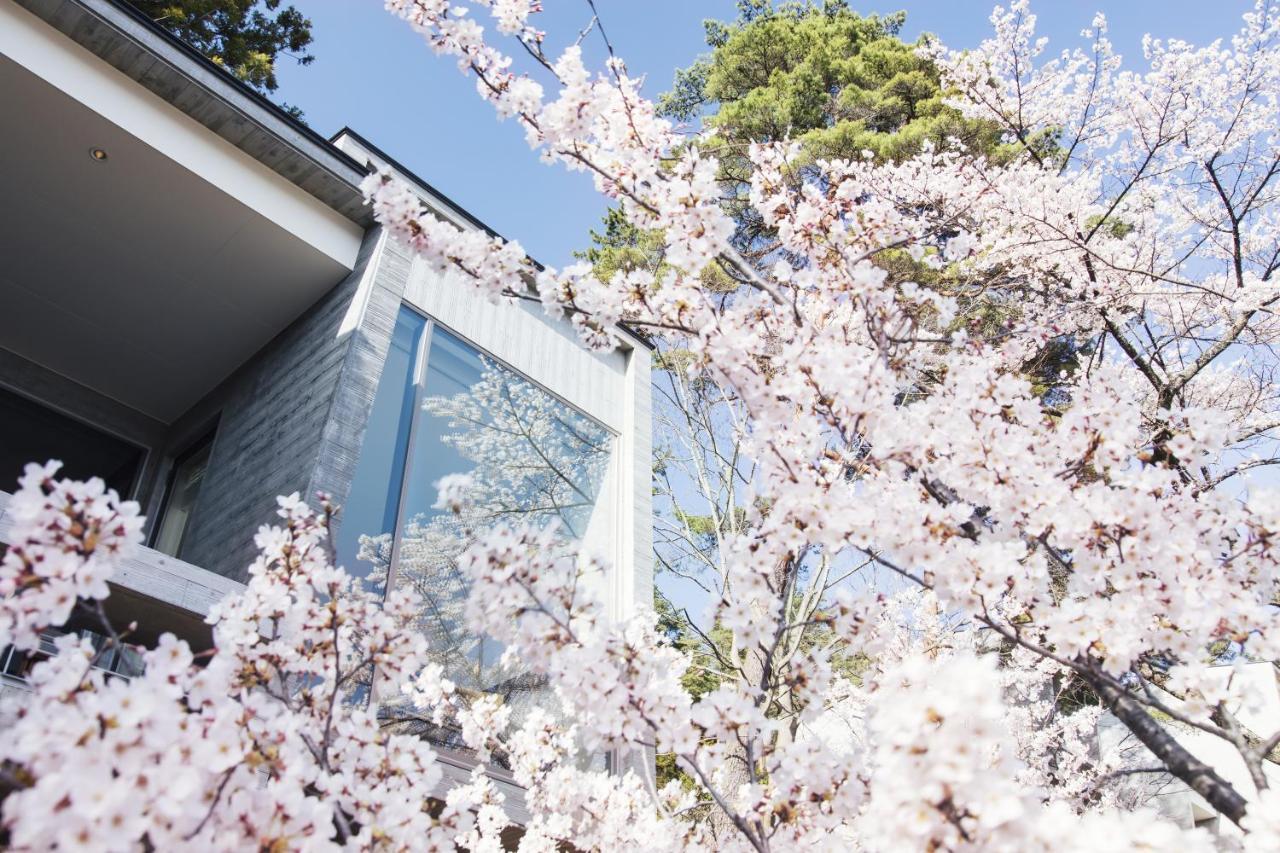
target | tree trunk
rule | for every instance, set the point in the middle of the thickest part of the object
(736, 773)
(1199, 776)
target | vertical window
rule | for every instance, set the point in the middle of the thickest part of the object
(443, 407)
(180, 501)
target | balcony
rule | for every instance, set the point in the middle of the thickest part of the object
(160, 593)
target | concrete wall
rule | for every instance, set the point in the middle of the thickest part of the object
(370, 320)
(272, 418)
(155, 590)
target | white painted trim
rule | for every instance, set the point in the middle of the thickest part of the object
(635, 593)
(34, 45)
(359, 304)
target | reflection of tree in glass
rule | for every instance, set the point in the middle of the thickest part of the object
(533, 460)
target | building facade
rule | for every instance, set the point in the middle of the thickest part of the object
(199, 308)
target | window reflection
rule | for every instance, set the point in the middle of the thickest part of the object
(441, 408)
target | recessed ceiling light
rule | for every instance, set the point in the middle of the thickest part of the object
(99, 154)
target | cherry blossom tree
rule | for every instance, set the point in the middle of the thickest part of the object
(1109, 527)
(1109, 535)
(268, 744)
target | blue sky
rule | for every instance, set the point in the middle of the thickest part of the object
(375, 75)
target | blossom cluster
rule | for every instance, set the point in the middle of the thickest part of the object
(67, 538)
(271, 743)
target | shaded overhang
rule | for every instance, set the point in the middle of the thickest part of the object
(151, 275)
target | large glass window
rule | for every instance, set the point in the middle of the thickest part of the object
(444, 407)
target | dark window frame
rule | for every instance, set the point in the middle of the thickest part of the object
(145, 450)
(205, 439)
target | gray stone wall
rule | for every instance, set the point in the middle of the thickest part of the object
(379, 304)
(291, 419)
(272, 417)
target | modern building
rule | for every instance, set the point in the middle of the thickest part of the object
(197, 306)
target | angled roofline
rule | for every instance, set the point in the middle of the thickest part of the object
(439, 199)
(243, 88)
(452, 205)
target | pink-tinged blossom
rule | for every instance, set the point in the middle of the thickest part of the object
(1080, 518)
(65, 541)
(263, 746)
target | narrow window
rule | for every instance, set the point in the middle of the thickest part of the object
(180, 500)
(368, 522)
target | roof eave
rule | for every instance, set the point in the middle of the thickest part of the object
(145, 52)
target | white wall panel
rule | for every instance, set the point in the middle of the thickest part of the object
(546, 351)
